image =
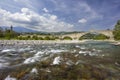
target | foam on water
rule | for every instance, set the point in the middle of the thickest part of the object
(83, 52)
(34, 70)
(77, 46)
(35, 58)
(97, 50)
(90, 53)
(24, 49)
(57, 60)
(39, 53)
(3, 65)
(57, 51)
(29, 60)
(8, 50)
(10, 78)
(81, 47)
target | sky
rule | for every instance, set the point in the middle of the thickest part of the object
(60, 15)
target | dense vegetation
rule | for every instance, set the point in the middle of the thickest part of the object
(67, 38)
(8, 34)
(94, 36)
(37, 37)
(116, 31)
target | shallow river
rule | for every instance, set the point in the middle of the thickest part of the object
(49, 61)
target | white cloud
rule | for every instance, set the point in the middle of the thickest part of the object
(45, 10)
(32, 20)
(53, 17)
(83, 20)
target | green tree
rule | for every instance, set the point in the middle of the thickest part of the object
(8, 34)
(1, 33)
(116, 31)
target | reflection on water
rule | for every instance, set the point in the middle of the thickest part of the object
(88, 61)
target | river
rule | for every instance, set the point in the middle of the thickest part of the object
(91, 60)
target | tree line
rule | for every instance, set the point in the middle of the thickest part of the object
(8, 33)
(116, 31)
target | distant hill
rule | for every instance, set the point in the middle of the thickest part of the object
(25, 30)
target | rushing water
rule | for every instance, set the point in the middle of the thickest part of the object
(23, 62)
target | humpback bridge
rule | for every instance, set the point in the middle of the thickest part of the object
(108, 33)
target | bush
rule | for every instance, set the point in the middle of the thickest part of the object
(34, 37)
(40, 38)
(67, 38)
(23, 37)
(49, 38)
(56, 38)
(101, 37)
(94, 36)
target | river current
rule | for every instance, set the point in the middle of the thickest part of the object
(29, 62)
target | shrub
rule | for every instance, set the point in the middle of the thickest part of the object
(47, 38)
(34, 37)
(94, 36)
(40, 38)
(101, 37)
(67, 38)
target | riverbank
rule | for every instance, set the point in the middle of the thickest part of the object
(38, 42)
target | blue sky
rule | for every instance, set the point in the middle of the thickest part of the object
(60, 15)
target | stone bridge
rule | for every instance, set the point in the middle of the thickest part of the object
(78, 35)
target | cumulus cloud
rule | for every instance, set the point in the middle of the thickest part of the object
(30, 19)
(83, 20)
(45, 10)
